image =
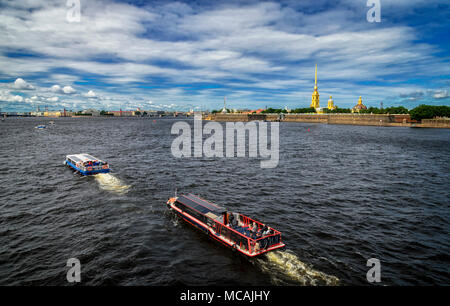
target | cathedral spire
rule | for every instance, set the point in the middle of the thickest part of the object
(315, 95)
(315, 80)
(224, 109)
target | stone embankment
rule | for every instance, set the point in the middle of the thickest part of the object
(352, 119)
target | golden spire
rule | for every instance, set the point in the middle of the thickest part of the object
(315, 95)
(315, 81)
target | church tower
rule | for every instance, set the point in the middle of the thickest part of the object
(315, 95)
(331, 105)
(358, 107)
(224, 109)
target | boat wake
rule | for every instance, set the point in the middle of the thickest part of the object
(109, 182)
(285, 267)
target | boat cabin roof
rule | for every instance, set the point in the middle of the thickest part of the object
(200, 205)
(82, 157)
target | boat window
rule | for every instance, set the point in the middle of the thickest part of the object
(200, 204)
(190, 211)
(195, 214)
(210, 222)
(180, 205)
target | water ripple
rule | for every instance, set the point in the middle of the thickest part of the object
(340, 195)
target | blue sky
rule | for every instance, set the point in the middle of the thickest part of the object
(164, 55)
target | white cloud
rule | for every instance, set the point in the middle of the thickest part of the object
(17, 98)
(63, 90)
(53, 99)
(441, 94)
(8, 97)
(56, 88)
(91, 94)
(21, 84)
(260, 46)
(68, 90)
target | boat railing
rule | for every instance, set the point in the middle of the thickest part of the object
(86, 167)
(264, 241)
(244, 241)
(267, 241)
(92, 168)
(247, 220)
(231, 234)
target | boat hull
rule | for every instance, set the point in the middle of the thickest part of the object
(216, 237)
(83, 172)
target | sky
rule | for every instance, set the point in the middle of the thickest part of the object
(177, 55)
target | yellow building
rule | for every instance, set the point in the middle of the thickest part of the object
(315, 95)
(358, 107)
(331, 104)
(52, 114)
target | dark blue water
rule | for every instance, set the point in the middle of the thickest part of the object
(340, 195)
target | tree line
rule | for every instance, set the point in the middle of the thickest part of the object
(418, 113)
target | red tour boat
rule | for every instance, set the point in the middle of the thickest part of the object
(234, 230)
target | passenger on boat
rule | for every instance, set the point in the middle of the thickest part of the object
(264, 230)
(259, 232)
(257, 247)
(238, 221)
(253, 230)
(263, 243)
(230, 220)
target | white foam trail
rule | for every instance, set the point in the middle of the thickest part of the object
(285, 264)
(109, 182)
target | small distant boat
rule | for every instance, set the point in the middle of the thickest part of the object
(86, 164)
(236, 231)
(40, 127)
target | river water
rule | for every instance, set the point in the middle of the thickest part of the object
(340, 195)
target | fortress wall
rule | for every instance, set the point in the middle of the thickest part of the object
(230, 117)
(403, 118)
(351, 119)
(363, 119)
(272, 117)
(436, 123)
(312, 118)
(360, 119)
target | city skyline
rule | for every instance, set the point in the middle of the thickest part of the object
(181, 55)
